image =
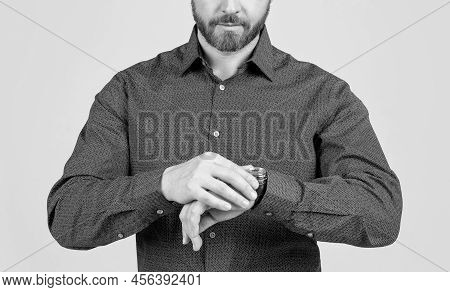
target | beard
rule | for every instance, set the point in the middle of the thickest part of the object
(228, 41)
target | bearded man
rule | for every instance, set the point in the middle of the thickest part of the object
(168, 150)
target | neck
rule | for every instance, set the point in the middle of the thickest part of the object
(225, 64)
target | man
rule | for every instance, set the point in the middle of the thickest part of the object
(328, 179)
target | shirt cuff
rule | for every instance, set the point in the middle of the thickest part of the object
(148, 198)
(281, 196)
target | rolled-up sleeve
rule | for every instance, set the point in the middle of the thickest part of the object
(357, 198)
(97, 201)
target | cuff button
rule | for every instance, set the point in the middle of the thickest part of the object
(269, 213)
(160, 212)
(120, 235)
(310, 234)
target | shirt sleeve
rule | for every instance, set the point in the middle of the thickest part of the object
(356, 199)
(96, 201)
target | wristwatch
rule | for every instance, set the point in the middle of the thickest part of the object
(261, 175)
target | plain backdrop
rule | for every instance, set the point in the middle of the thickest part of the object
(48, 82)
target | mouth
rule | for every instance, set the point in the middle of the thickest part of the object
(229, 24)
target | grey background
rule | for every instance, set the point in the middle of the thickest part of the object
(48, 83)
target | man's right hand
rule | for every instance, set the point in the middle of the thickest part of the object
(191, 180)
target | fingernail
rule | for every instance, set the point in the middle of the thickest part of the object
(253, 195)
(227, 206)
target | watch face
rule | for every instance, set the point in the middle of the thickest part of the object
(259, 173)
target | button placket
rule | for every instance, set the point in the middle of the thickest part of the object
(216, 133)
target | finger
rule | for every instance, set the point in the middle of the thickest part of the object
(211, 200)
(246, 175)
(185, 239)
(230, 185)
(251, 180)
(193, 216)
(233, 206)
(221, 190)
(197, 243)
(182, 217)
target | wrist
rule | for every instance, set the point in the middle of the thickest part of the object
(258, 200)
(262, 176)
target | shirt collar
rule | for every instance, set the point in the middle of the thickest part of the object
(261, 56)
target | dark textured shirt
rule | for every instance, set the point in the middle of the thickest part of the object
(328, 179)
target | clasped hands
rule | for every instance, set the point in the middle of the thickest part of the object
(212, 188)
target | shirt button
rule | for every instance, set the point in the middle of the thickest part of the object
(269, 213)
(222, 87)
(310, 235)
(216, 134)
(160, 212)
(212, 235)
(120, 235)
